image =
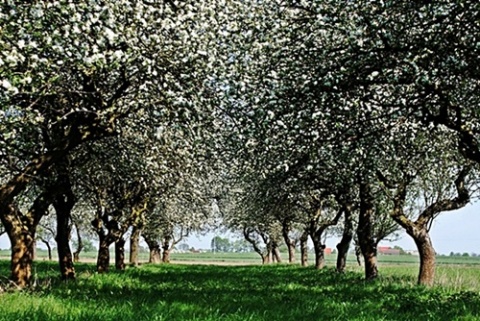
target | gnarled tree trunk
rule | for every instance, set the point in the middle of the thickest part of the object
(154, 249)
(276, 252)
(21, 230)
(78, 250)
(120, 254)
(319, 249)
(103, 259)
(426, 252)
(63, 204)
(304, 248)
(155, 254)
(166, 249)
(418, 230)
(347, 236)
(366, 240)
(286, 227)
(22, 241)
(108, 233)
(134, 245)
(265, 254)
(316, 226)
(49, 248)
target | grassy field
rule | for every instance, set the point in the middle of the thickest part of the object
(254, 258)
(452, 273)
(210, 292)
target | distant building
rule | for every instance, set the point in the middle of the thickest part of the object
(328, 251)
(387, 250)
(412, 252)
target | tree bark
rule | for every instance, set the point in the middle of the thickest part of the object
(366, 241)
(155, 254)
(426, 251)
(316, 227)
(276, 253)
(344, 244)
(154, 249)
(22, 253)
(358, 254)
(100, 223)
(304, 248)
(418, 230)
(63, 205)
(166, 249)
(120, 254)
(266, 259)
(134, 245)
(286, 227)
(166, 256)
(103, 260)
(21, 230)
(291, 253)
(319, 255)
(266, 255)
(319, 248)
(78, 250)
(49, 248)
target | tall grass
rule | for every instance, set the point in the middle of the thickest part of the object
(207, 292)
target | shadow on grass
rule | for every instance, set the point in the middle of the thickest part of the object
(179, 292)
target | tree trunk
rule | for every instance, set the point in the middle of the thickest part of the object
(426, 252)
(319, 255)
(288, 241)
(304, 248)
(358, 254)
(365, 233)
(103, 260)
(291, 253)
(319, 248)
(65, 257)
(49, 248)
(21, 230)
(266, 254)
(166, 255)
(154, 248)
(120, 254)
(155, 254)
(266, 258)
(34, 249)
(76, 254)
(63, 203)
(276, 253)
(269, 254)
(134, 245)
(22, 255)
(344, 244)
(113, 234)
(166, 249)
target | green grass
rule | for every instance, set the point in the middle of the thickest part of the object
(208, 292)
(254, 258)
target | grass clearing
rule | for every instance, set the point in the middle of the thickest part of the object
(209, 292)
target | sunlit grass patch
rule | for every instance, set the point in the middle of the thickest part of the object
(203, 292)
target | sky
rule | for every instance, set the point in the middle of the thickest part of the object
(455, 231)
